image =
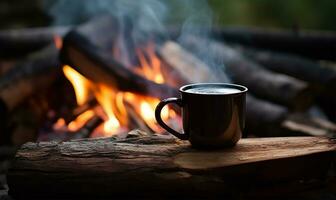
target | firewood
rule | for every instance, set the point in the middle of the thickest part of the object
(261, 116)
(29, 76)
(157, 165)
(80, 109)
(135, 120)
(264, 118)
(305, 124)
(99, 66)
(87, 129)
(272, 86)
(296, 66)
(102, 31)
(20, 42)
(191, 68)
(315, 45)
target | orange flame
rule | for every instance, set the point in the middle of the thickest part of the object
(80, 84)
(151, 69)
(80, 120)
(145, 106)
(107, 97)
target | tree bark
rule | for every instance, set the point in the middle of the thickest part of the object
(159, 165)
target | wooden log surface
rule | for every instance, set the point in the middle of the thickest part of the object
(266, 84)
(162, 166)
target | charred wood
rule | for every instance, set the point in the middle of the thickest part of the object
(31, 75)
(99, 66)
(80, 109)
(20, 42)
(88, 128)
(135, 120)
(264, 118)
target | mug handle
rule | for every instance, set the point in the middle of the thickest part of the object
(158, 110)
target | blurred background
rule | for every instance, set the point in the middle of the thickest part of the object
(305, 14)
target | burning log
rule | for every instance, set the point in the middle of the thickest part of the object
(29, 76)
(298, 67)
(19, 42)
(80, 109)
(136, 120)
(317, 45)
(99, 66)
(263, 83)
(157, 165)
(88, 128)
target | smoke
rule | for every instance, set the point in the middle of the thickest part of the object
(139, 19)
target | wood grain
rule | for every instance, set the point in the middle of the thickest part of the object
(160, 165)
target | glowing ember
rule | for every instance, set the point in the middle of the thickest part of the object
(60, 124)
(58, 41)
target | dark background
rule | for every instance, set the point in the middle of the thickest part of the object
(304, 14)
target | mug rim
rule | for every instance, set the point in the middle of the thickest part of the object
(241, 88)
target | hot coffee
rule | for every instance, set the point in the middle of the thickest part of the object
(213, 90)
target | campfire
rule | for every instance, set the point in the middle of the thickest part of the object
(86, 83)
(117, 109)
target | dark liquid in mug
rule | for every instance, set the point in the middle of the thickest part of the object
(213, 90)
